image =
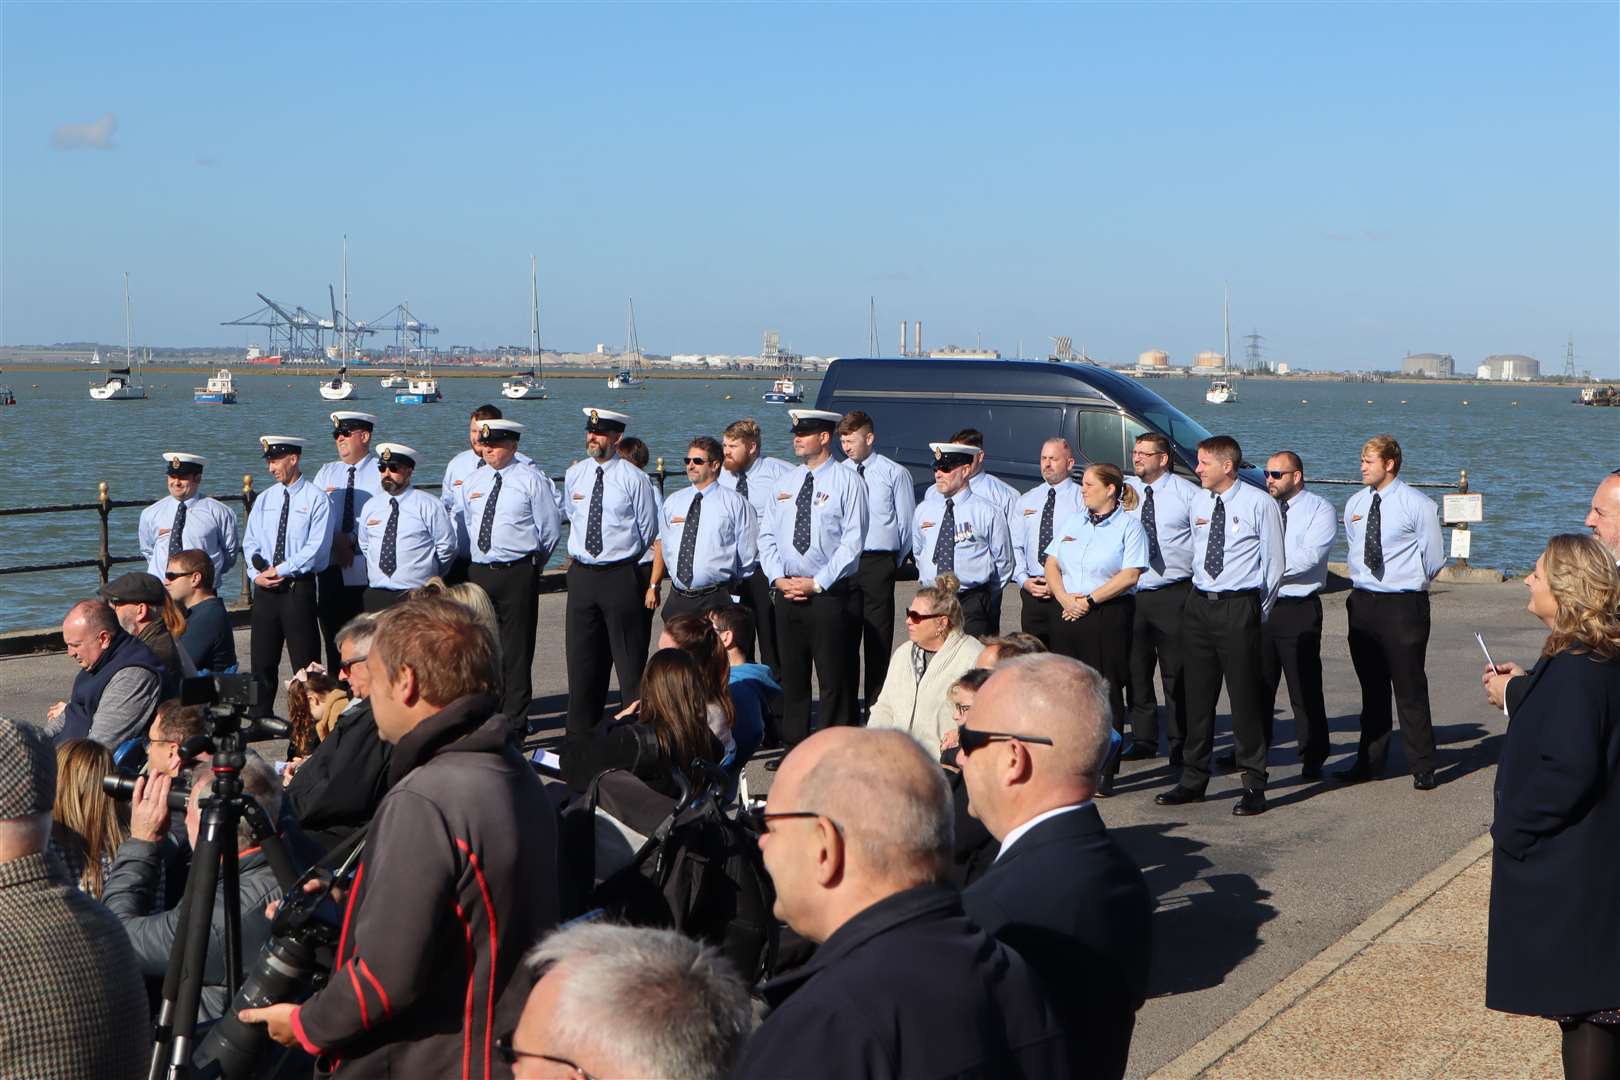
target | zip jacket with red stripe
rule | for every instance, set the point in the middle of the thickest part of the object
(457, 879)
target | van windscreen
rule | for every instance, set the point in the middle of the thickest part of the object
(1182, 429)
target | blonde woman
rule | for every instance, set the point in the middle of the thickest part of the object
(916, 692)
(87, 825)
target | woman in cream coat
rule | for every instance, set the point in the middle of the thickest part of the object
(916, 694)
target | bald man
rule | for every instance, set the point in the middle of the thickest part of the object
(1062, 892)
(856, 836)
(1603, 518)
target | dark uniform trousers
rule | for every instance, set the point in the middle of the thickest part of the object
(824, 631)
(382, 599)
(875, 576)
(282, 617)
(644, 582)
(757, 596)
(337, 603)
(1291, 647)
(1156, 639)
(1220, 636)
(1037, 616)
(608, 629)
(514, 590)
(1389, 639)
(977, 609)
(457, 572)
(696, 601)
(1102, 638)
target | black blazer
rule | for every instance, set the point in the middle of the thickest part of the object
(1071, 901)
(1555, 872)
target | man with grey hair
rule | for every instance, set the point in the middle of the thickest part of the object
(628, 1001)
(856, 836)
(116, 694)
(1061, 892)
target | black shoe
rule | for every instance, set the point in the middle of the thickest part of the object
(1310, 772)
(1226, 760)
(775, 763)
(1105, 790)
(1178, 796)
(1424, 781)
(1139, 752)
(1355, 774)
(1252, 803)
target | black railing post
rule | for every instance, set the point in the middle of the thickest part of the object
(660, 475)
(247, 511)
(103, 509)
(1462, 489)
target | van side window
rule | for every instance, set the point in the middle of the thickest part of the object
(1102, 438)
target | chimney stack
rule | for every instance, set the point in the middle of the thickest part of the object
(903, 337)
(917, 344)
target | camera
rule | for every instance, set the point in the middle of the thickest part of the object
(632, 747)
(130, 763)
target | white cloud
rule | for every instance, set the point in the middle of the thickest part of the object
(96, 135)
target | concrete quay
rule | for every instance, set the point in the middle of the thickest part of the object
(1245, 903)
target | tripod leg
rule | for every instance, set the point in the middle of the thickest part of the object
(192, 941)
(163, 1029)
(231, 897)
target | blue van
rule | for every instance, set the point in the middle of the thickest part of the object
(1017, 404)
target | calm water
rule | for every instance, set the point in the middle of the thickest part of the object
(1534, 455)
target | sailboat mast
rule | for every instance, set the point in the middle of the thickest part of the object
(534, 310)
(634, 345)
(871, 326)
(129, 339)
(343, 331)
(1226, 326)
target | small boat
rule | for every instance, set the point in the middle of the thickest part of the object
(526, 385)
(338, 388)
(784, 391)
(422, 390)
(7, 397)
(395, 380)
(523, 386)
(121, 384)
(220, 390)
(630, 375)
(1220, 392)
(625, 380)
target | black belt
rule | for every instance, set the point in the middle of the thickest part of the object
(1228, 594)
(1298, 599)
(983, 586)
(1389, 592)
(1166, 585)
(877, 551)
(631, 561)
(511, 562)
(697, 594)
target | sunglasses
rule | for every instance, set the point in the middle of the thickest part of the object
(697, 461)
(342, 433)
(510, 1054)
(394, 467)
(760, 820)
(913, 615)
(345, 665)
(176, 575)
(1278, 474)
(970, 740)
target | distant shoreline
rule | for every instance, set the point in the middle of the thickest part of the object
(448, 372)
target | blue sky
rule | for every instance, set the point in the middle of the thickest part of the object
(1370, 179)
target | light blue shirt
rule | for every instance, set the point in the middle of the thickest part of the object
(210, 528)
(762, 475)
(1254, 543)
(725, 548)
(837, 525)
(456, 473)
(1309, 530)
(1025, 524)
(333, 478)
(629, 510)
(1089, 554)
(890, 503)
(308, 529)
(1410, 532)
(1173, 498)
(525, 519)
(996, 491)
(424, 539)
(983, 548)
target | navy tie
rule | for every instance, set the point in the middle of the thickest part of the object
(281, 529)
(593, 518)
(801, 514)
(1150, 525)
(486, 527)
(1372, 548)
(387, 560)
(348, 504)
(177, 542)
(742, 484)
(945, 543)
(1215, 553)
(689, 535)
(1048, 513)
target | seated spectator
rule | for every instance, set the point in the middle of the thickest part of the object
(118, 690)
(913, 698)
(1062, 892)
(698, 638)
(338, 787)
(71, 1004)
(207, 638)
(133, 883)
(1007, 647)
(623, 1001)
(146, 610)
(856, 836)
(753, 689)
(974, 849)
(314, 702)
(87, 824)
(173, 726)
(674, 708)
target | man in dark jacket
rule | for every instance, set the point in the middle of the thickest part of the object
(138, 600)
(1061, 891)
(458, 875)
(857, 838)
(118, 690)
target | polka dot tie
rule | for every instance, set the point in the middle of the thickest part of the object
(689, 536)
(387, 561)
(945, 544)
(593, 518)
(742, 484)
(486, 526)
(801, 514)
(1282, 504)
(1047, 514)
(1372, 547)
(281, 529)
(1215, 553)
(348, 504)
(176, 530)
(1150, 525)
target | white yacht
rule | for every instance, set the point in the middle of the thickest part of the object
(395, 380)
(527, 385)
(338, 388)
(1221, 392)
(630, 376)
(523, 386)
(122, 384)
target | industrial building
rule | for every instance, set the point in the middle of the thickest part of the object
(1154, 359)
(1429, 365)
(1209, 360)
(1509, 367)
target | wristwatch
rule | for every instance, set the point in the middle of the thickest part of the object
(1089, 601)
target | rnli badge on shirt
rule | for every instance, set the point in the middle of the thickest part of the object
(163, 532)
(1355, 517)
(782, 496)
(927, 525)
(373, 521)
(1065, 540)
(480, 495)
(1202, 523)
(578, 497)
(1029, 513)
(678, 520)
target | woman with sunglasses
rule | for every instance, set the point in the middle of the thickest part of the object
(916, 693)
(1092, 567)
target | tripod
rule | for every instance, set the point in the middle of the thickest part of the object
(214, 862)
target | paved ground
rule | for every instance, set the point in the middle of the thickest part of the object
(1242, 903)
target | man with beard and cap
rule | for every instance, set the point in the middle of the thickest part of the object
(1033, 523)
(612, 521)
(187, 519)
(957, 531)
(288, 531)
(512, 517)
(462, 466)
(405, 534)
(810, 544)
(348, 482)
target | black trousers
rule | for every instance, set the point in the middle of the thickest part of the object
(1156, 639)
(1037, 616)
(382, 599)
(457, 572)
(1101, 638)
(608, 629)
(757, 598)
(676, 604)
(875, 576)
(993, 616)
(1291, 647)
(823, 632)
(514, 590)
(284, 618)
(1221, 638)
(337, 603)
(978, 603)
(1389, 640)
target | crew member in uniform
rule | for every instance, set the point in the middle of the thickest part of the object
(955, 530)
(1000, 493)
(753, 476)
(890, 504)
(1393, 535)
(635, 451)
(706, 538)
(810, 544)
(187, 520)
(456, 473)
(1036, 515)
(348, 482)
(405, 534)
(288, 533)
(1237, 569)
(1165, 509)
(510, 511)
(612, 521)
